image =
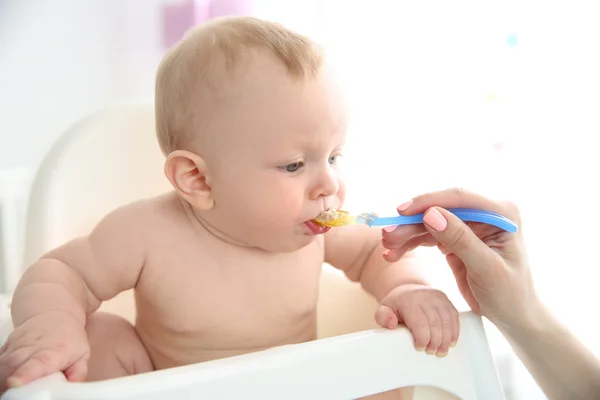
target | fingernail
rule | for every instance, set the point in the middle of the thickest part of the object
(442, 354)
(390, 323)
(389, 229)
(13, 382)
(435, 219)
(453, 343)
(420, 348)
(387, 253)
(404, 206)
(429, 351)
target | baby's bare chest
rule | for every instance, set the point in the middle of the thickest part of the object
(224, 299)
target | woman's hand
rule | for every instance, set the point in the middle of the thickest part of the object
(490, 265)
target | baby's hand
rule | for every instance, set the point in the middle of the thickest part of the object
(427, 312)
(43, 345)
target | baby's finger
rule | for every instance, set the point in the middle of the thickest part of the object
(78, 371)
(435, 329)
(11, 361)
(447, 330)
(4, 374)
(455, 326)
(386, 317)
(42, 363)
(417, 322)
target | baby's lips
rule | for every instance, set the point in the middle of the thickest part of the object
(317, 228)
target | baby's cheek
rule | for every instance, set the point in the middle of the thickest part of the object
(290, 201)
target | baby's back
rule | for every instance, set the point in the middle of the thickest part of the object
(200, 298)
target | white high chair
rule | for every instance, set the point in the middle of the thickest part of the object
(112, 158)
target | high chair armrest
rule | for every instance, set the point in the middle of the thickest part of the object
(341, 367)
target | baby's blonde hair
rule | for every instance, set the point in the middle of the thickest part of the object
(192, 78)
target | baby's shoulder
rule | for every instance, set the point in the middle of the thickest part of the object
(148, 214)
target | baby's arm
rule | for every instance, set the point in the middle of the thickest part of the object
(402, 291)
(76, 277)
(55, 295)
(357, 251)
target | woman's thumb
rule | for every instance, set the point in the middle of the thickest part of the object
(457, 237)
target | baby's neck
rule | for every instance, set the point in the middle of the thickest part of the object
(201, 226)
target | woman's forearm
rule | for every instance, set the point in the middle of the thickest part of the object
(558, 361)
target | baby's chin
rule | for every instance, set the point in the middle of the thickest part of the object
(291, 245)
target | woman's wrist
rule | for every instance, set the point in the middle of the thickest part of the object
(533, 321)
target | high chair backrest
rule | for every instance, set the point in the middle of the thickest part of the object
(106, 160)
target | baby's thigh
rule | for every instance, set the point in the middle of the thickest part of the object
(115, 348)
(396, 394)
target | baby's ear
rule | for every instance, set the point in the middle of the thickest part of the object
(187, 173)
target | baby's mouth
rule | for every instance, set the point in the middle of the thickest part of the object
(316, 228)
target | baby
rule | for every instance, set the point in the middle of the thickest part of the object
(252, 126)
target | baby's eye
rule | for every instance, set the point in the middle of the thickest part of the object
(333, 159)
(293, 167)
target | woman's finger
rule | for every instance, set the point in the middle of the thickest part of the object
(455, 198)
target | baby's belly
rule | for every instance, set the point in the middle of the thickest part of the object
(168, 347)
(172, 349)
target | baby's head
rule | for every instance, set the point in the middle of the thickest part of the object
(252, 125)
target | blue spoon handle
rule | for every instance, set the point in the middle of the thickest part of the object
(465, 214)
